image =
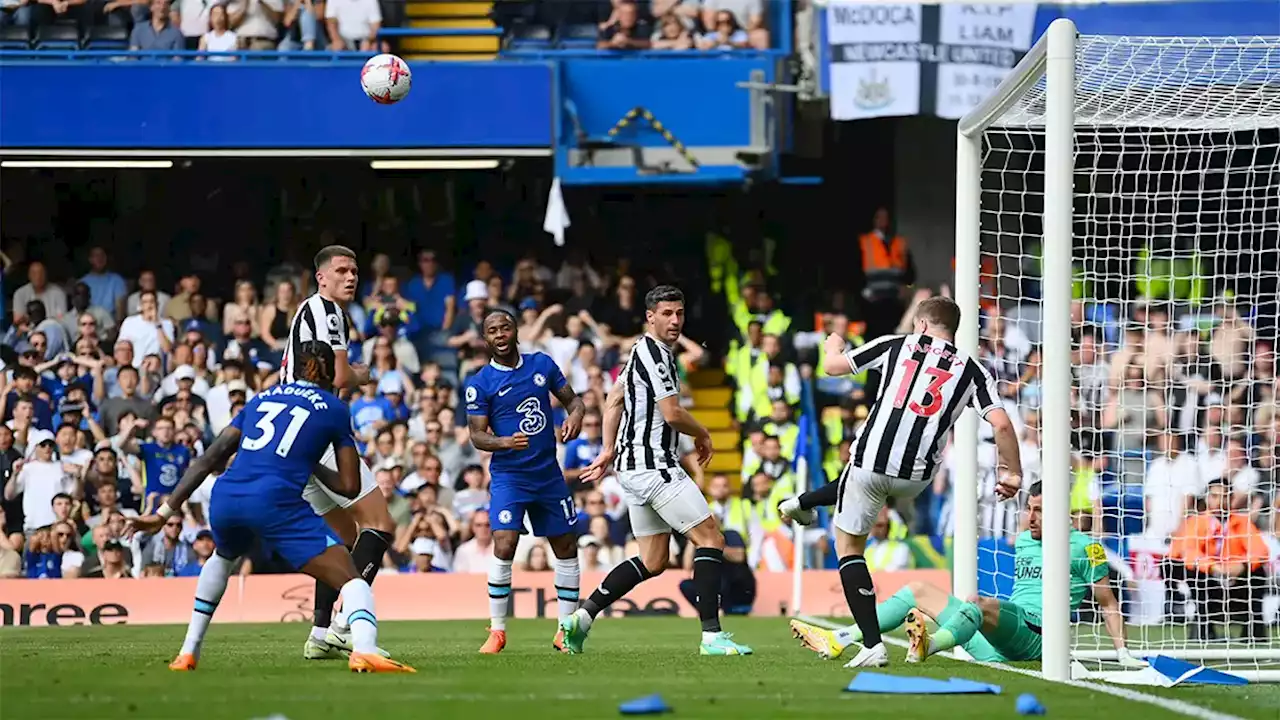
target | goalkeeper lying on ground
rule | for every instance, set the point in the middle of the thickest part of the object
(989, 630)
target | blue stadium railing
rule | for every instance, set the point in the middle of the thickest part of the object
(813, 455)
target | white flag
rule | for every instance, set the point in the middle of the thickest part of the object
(557, 219)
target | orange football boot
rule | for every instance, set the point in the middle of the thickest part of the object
(375, 663)
(497, 640)
(185, 662)
(557, 642)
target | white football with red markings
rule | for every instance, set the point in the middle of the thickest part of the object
(386, 79)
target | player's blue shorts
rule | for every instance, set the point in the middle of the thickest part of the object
(286, 525)
(548, 504)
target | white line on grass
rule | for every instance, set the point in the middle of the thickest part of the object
(1174, 706)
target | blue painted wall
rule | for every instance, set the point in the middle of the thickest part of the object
(149, 104)
(1216, 18)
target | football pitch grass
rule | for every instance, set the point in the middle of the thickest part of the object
(255, 671)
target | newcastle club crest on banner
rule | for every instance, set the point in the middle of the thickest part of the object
(915, 59)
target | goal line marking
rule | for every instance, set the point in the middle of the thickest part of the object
(1174, 706)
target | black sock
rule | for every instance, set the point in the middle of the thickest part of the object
(326, 598)
(368, 551)
(822, 497)
(708, 569)
(620, 580)
(860, 593)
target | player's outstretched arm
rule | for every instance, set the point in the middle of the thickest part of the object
(483, 439)
(612, 418)
(1114, 620)
(1010, 452)
(574, 406)
(214, 458)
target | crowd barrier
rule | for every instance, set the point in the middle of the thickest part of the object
(288, 598)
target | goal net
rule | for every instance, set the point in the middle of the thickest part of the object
(1133, 218)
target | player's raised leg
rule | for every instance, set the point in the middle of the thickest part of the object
(507, 516)
(650, 563)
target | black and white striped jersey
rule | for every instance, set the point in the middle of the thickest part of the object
(645, 440)
(318, 318)
(925, 385)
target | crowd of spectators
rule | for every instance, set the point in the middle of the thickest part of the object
(111, 386)
(708, 25)
(218, 26)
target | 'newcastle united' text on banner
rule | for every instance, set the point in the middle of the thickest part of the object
(914, 59)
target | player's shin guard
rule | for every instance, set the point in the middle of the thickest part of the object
(957, 629)
(822, 497)
(357, 598)
(620, 580)
(860, 593)
(708, 570)
(568, 577)
(368, 552)
(371, 545)
(499, 592)
(209, 589)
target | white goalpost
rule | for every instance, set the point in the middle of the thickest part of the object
(1127, 192)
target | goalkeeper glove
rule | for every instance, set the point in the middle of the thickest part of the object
(1127, 660)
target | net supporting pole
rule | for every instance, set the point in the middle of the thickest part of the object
(964, 480)
(1059, 164)
(798, 544)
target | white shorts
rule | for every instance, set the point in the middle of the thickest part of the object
(660, 501)
(863, 494)
(323, 500)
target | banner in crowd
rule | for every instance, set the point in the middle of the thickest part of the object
(288, 598)
(915, 59)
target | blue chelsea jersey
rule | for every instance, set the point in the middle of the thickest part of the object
(284, 432)
(519, 400)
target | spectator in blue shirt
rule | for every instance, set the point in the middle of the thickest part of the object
(65, 375)
(24, 386)
(159, 34)
(163, 460)
(199, 320)
(434, 293)
(107, 290)
(392, 391)
(202, 548)
(583, 450)
(368, 415)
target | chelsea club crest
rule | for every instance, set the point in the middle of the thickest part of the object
(539, 379)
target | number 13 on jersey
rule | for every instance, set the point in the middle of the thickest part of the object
(932, 393)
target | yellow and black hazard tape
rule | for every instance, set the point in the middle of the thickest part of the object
(656, 124)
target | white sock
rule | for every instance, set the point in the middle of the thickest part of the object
(357, 597)
(318, 633)
(708, 636)
(848, 635)
(499, 592)
(567, 581)
(209, 589)
(584, 619)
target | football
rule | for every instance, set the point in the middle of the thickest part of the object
(386, 79)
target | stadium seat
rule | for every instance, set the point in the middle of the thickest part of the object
(13, 37)
(528, 37)
(107, 38)
(58, 36)
(577, 36)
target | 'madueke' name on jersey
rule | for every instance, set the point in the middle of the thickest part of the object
(518, 400)
(284, 432)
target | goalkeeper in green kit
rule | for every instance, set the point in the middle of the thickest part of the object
(989, 630)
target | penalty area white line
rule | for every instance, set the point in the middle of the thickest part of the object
(1164, 703)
